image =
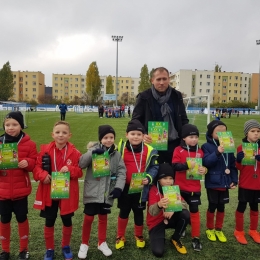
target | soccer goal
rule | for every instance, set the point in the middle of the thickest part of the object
(7, 107)
(198, 111)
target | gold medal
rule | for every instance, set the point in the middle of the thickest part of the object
(166, 221)
(227, 171)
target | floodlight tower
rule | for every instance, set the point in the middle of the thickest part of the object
(258, 105)
(117, 39)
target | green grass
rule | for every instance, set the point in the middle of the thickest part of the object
(84, 128)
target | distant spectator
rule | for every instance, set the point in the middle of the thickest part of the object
(100, 111)
(249, 110)
(229, 113)
(122, 108)
(244, 111)
(129, 111)
(217, 115)
(237, 113)
(63, 109)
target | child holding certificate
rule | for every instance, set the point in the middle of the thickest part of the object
(141, 167)
(221, 176)
(18, 156)
(187, 163)
(60, 157)
(158, 219)
(249, 181)
(104, 181)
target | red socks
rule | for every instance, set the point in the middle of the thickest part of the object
(139, 231)
(5, 230)
(102, 229)
(86, 229)
(195, 224)
(219, 220)
(239, 221)
(49, 237)
(253, 220)
(210, 220)
(121, 226)
(23, 229)
(66, 235)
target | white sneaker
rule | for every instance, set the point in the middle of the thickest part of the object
(83, 251)
(105, 249)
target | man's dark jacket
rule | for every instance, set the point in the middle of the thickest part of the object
(144, 108)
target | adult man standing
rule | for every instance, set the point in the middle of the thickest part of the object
(162, 103)
(63, 109)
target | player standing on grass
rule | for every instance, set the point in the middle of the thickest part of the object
(249, 185)
(190, 189)
(221, 176)
(15, 185)
(100, 192)
(62, 157)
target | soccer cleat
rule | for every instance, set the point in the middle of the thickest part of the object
(179, 246)
(240, 237)
(67, 254)
(4, 256)
(140, 243)
(105, 249)
(255, 236)
(220, 235)
(196, 244)
(49, 255)
(24, 255)
(211, 234)
(83, 251)
(120, 243)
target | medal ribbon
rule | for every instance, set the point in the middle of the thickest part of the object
(225, 160)
(17, 142)
(188, 148)
(138, 168)
(64, 157)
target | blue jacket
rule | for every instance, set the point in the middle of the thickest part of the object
(63, 108)
(216, 176)
(151, 167)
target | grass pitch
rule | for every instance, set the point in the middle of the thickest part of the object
(84, 128)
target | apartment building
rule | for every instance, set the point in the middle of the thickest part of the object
(67, 86)
(254, 90)
(230, 86)
(222, 87)
(194, 83)
(28, 85)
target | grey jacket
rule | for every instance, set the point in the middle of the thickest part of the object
(97, 190)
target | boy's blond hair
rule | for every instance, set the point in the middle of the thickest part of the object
(62, 123)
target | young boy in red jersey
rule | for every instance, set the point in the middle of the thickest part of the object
(15, 185)
(138, 157)
(249, 185)
(190, 189)
(64, 157)
(157, 220)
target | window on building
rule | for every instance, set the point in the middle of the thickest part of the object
(230, 77)
(56, 91)
(34, 83)
(201, 76)
(126, 87)
(26, 83)
(224, 86)
(200, 90)
(21, 79)
(21, 92)
(66, 80)
(218, 84)
(200, 83)
(235, 91)
(60, 91)
(56, 84)
(21, 85)
(235, 84)
(122, 87)
(127, 81)
(132, 94)
(14, 76)
(224, 80)
(230, 84)
(82, 86)
(244, 99)
(244, 92)
(207, 90)
(208, 83)
(14, 82)
(229, 91)
(236, 77)
(235, 98)
(132, 82)
(76, 79)
(26, 76)
(82, 80)
(76, 91)
(245, 78)
(219, 77)
(122, 81)
(218, 91)
(34, 76)
(56, 78)
(34, 89)
(229, 98)
(132, 87)
(60, 78)
(245, 85)
(224, 101)
(76, 85)
(26, 89)
(224, 94)
(240, 78)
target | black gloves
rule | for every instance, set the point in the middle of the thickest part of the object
(116, 193)
(98, 151)
(240, 156)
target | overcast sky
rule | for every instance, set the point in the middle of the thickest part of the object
(65, 36)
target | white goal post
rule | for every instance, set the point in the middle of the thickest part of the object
(198, 104)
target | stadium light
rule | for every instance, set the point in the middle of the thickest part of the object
(258, 105)
(117, 39)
